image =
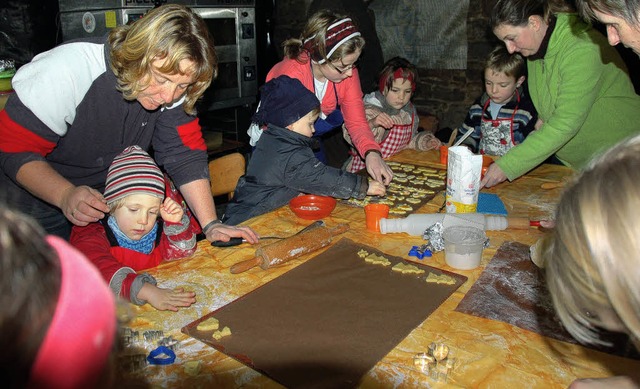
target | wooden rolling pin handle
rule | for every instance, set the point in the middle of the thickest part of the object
(339, 229)
(519, 223)
(245, 265)
(552, 185)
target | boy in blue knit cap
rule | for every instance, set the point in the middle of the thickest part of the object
(283, 164)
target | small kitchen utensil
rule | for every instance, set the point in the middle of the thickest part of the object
(238, 241)
(463, 137)
(373, 213)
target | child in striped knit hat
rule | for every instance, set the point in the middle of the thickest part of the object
(131, 238)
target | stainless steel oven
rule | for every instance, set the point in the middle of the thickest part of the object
(232, 24)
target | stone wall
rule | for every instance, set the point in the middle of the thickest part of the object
(447, 94)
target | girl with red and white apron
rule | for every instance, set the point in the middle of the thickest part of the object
(391, 115)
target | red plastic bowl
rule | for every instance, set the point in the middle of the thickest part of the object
(312, 207)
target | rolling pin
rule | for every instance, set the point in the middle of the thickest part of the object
(555, 184)
(282, 251)
(552, 185)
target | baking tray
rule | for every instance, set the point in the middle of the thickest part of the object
(328, 321)
(412, 187)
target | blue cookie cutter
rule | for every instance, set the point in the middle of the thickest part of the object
(155, 358)
(420, 251)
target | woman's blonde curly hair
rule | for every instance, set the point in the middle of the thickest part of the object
(173, 32)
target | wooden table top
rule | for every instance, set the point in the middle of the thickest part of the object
(490, 354)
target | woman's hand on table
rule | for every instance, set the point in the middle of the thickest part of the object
(224, 232)
(618, 382)
(493, 176)
(378, 169)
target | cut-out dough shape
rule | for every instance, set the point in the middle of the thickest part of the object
(192, 367)
(406, 268)
(363, 253)
(377, 260)
(226, 331)
(209, 325)
(441, 279)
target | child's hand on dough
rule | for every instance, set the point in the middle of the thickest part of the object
(166, 299)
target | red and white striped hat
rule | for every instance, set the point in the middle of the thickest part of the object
(133, 172)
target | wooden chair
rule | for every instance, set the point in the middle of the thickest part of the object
(225, 172)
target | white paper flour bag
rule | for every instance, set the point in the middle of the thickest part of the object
(463, 180)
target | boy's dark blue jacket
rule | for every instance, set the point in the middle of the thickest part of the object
(283, 166)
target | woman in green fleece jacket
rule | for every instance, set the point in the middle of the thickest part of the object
(578, 83)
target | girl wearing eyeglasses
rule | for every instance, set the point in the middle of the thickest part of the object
(324, 59)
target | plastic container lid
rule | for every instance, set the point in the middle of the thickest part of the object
(463, 246)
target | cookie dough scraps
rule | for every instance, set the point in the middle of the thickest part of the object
(192, 367)
(226, 331)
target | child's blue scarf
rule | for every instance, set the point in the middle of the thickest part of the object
(144, 245)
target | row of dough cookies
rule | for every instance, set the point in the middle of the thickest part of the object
(405, 268)
(410, 186)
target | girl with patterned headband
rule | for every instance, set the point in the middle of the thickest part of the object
(324, 60)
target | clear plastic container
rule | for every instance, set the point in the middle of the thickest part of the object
(463, 246)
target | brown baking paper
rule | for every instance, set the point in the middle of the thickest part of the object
(328, 321)
(512, 289)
